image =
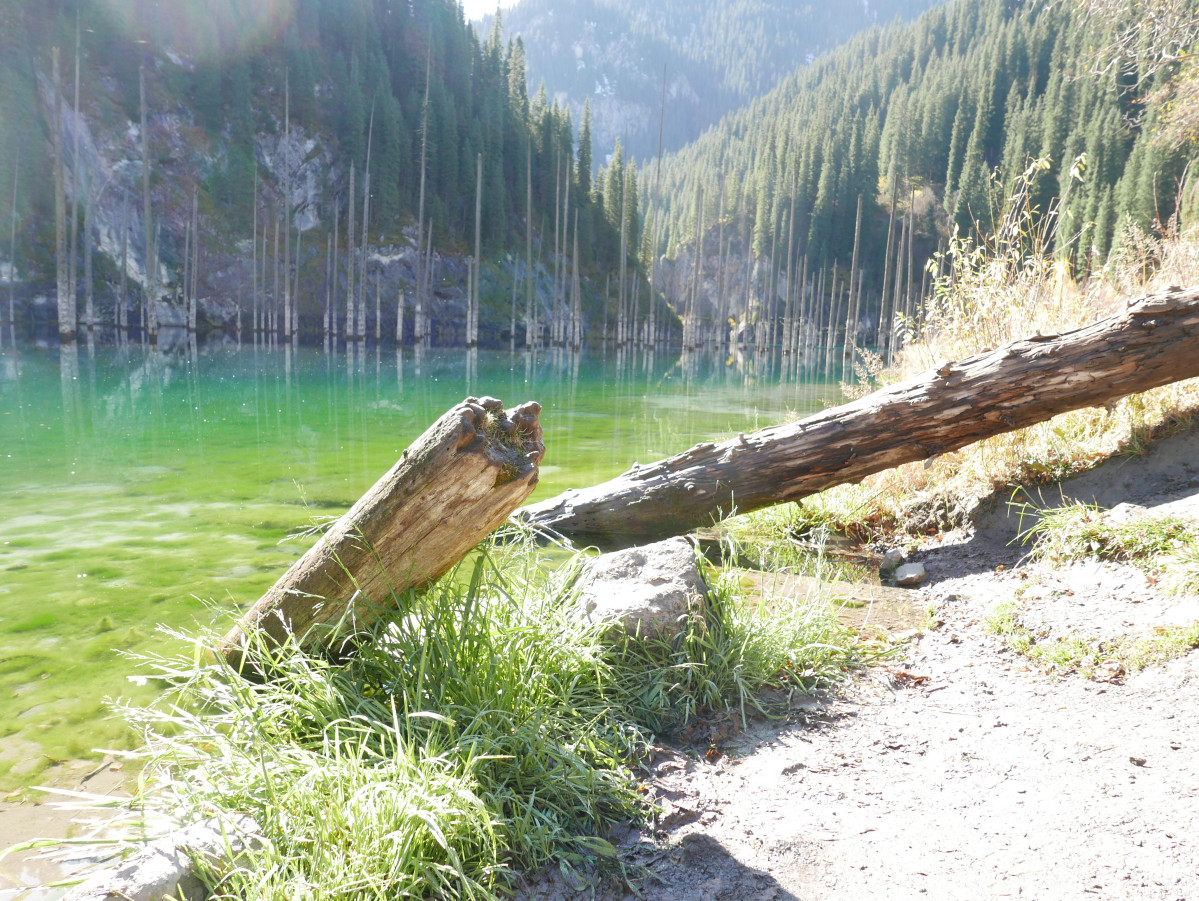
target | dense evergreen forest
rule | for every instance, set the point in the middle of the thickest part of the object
(338, 110)
(288, 105)
(716, 57)
(934, 119)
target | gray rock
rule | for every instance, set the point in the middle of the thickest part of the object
(649, 591)
(217, 311)
(168, 867)
(171, 315)
(1126, 513)
(910, 575)
(891, 561)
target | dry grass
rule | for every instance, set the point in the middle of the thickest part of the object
(1005, 287)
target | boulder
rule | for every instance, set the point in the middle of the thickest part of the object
(170, 868)
(649, 591)
(1121, 514)
(910, 575)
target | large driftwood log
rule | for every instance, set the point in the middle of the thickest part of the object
(1153, 342)
(456, 484)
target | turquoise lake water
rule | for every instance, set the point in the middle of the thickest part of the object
(142, 487)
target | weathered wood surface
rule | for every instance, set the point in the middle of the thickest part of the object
(168, 867)
(455, 485)
(1152, 342)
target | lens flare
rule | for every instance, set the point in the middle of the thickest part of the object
(202, 30)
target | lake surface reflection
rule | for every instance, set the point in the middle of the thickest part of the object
(144, 487)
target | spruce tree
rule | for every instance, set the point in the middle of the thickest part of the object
(583, 168)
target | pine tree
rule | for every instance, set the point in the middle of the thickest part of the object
(206, 95)
(962, 122)
(387, 157)
(352, 103)
(583, 169)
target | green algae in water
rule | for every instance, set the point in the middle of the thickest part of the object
(143, 487)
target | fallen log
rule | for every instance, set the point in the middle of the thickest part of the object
(455, 485)
(1153, 342)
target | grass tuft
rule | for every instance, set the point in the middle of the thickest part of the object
(486, 732)
(1092, 658)
(1165, 547)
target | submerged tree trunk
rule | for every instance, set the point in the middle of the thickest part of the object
(66, 306)
(450, 489)
(76, 179)
(122, 296)
(151, 286)
(287, 325)
(351, 291)
(12, 243)
(1153, 342)
(89, 290)
(528, 245)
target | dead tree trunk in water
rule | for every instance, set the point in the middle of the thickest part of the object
(1153, 342)
(151, 302)
(287, 205)
(351, 291)
(66, 318)
(89, 289)
(472, 321)
(450, 489)
(12, 243)
(122, 320)
(76, 179)
(528, 244)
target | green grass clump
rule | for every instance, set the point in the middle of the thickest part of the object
(484, 731)
(1181, 569)
(1164, 546)
(1004, 622)
(1091, 657)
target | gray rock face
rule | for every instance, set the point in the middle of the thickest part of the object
(649, 591)
(910, 575)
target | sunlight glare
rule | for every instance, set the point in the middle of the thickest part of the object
(203, 30)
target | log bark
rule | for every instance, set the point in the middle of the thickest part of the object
(456, 484)
(1153, 342)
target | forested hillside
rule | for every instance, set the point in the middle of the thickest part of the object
(716, 56)
(262, 138)
(925, 114)
(261, 119)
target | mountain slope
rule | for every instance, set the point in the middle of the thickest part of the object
(261, 124)
(927, 112)
(716, 56)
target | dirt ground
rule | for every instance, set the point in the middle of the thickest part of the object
(959, 770)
